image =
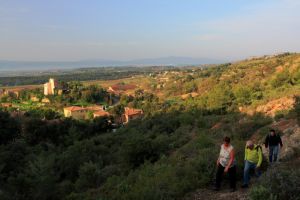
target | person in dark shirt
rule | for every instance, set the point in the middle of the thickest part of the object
(273, 140)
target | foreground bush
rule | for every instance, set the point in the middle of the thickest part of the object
(278, 183)
(170, 178)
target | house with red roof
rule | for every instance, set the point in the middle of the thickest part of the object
(131, 114)
(101, 113)
(76, 112)
(6, 105)
(95, 108)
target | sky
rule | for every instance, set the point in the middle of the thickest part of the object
(71, 30)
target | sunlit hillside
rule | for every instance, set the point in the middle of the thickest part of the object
(149, 136)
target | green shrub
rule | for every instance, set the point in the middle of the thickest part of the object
(281, 79)
(260, 193)
(279, 115)
(278, 183)
(89, 176)
(242, 95)
(169, 178)
(297, 108)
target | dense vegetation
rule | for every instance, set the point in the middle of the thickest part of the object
(280, 182)
(168, 153)
(67, 159)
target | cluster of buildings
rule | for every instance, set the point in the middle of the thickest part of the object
(15, 92)
(78, 112)
(52, 87)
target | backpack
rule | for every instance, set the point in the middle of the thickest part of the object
(258, 147)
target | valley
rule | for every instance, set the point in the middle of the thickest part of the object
(150, 133)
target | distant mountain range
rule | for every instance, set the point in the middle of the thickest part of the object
(48, 65)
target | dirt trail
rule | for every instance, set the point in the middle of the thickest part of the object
(206, 194)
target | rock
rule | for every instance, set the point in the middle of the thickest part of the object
(270, 109)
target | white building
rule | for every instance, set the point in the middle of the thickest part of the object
(49, 87)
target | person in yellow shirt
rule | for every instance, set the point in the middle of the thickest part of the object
(253, 160)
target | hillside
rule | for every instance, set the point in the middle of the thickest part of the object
(168, 154)
(265, 84)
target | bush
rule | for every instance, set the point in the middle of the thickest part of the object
(220, 98)
(167, 179)
(279, 115)
(278, 183)
(9, 128)
(297, 108)
(89, 176)
(283, 78)
(260, 193)
(242, 95)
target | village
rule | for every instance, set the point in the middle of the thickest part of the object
(92, 99)
(53, 88)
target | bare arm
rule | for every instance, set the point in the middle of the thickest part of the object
(218, 161)
(230, 161)
(231, 158)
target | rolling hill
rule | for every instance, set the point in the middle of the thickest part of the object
(171, 152)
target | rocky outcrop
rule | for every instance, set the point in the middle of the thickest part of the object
(290, 135)
(290, 138)
(272, 107)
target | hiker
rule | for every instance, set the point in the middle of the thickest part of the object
(273, 140)
(253, 160)
(226, 163)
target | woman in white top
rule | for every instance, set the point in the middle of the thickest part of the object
(226, 164)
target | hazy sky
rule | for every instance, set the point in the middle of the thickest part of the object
(54, 30)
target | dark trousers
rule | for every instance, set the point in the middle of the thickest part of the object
(232, 176)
